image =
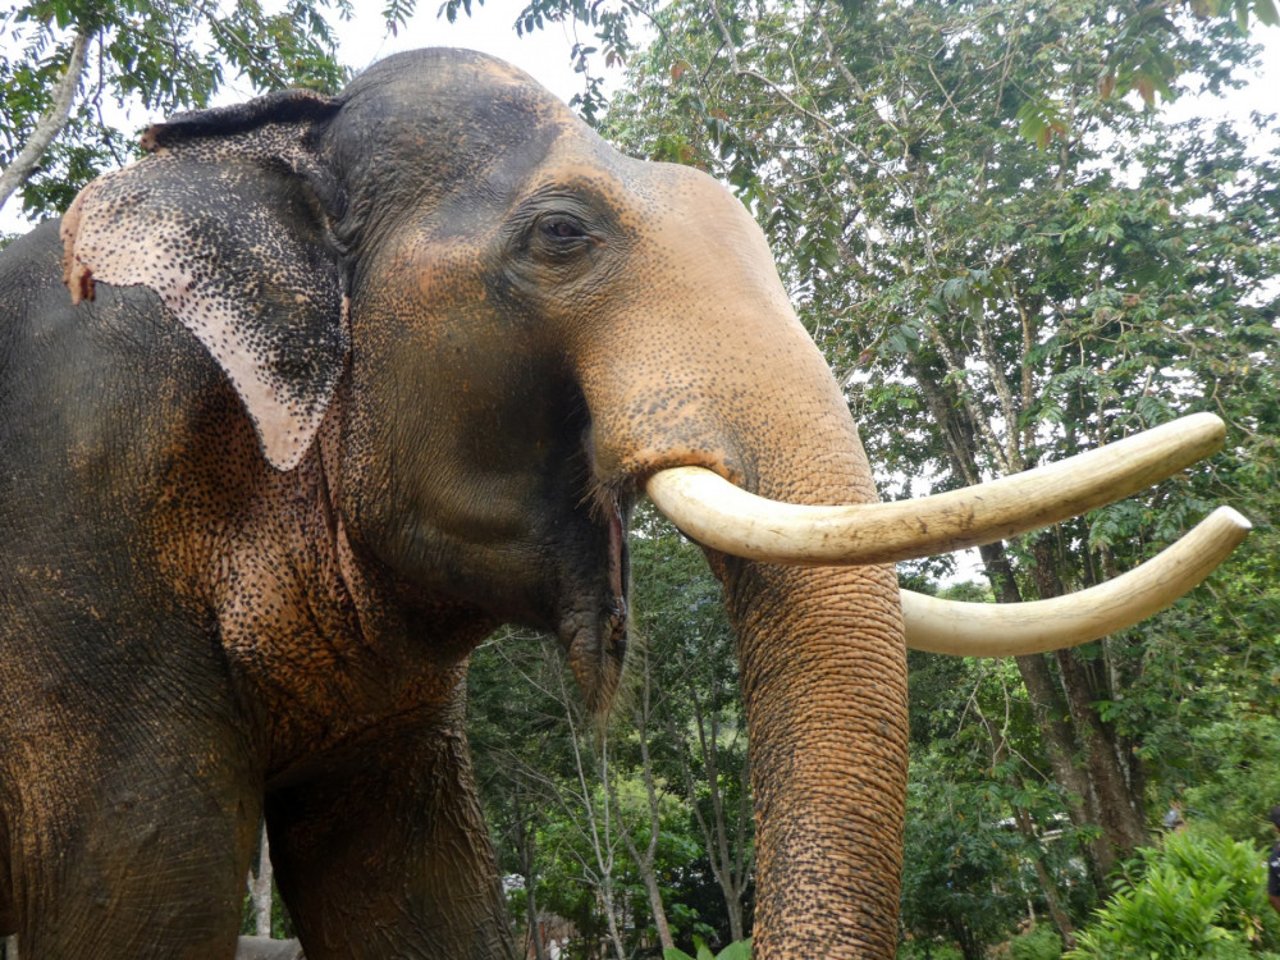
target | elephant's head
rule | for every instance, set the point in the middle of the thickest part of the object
(504, 331)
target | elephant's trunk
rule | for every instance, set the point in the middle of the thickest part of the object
(824, 680)
(706, 365)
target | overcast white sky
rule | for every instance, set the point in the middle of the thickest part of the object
(544, 54)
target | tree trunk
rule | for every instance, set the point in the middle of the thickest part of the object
(528, 867)
(611, 915)
(1050, 889)
(1055, 720)
(260, 888)
(657, 908)
(726, 850)
(645, 861)
(732, 881)
(1049, 709)
(599, 825)
(1118, 812)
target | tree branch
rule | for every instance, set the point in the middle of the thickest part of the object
(25, 163)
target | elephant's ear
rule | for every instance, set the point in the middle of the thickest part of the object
(226, 222)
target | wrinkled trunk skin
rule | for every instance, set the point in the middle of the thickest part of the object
(825, 690)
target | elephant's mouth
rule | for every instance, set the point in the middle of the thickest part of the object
(723, 517)
(594, 630)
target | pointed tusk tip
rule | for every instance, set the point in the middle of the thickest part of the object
(1212, 426)
(1232, 515)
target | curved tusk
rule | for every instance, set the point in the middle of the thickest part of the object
(1014, 629)
(720, 515)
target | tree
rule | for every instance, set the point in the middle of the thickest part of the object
(961, 871)
(1008, 261)
(646, 808)
(681, 623)
(83, 61)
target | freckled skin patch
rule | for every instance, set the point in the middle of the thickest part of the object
(350, 382)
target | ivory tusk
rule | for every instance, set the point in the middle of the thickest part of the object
(1013, 629)
(720, 515)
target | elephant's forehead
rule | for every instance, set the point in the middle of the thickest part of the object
(454, 93)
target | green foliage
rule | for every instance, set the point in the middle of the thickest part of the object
(149, 53)
(1039, 943)
(961, 874)
(1237, 779)
(739, 950)
(927, 950)
(1199, 896)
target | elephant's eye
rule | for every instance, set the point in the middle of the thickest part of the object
(561, 228)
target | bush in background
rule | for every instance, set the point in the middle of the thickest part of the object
(1040, 943)
(1199, 896)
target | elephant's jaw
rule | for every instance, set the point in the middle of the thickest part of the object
(721, 516)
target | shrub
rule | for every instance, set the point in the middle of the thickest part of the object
(926, 950)
(738, 950)
(1042, 943)
(1197, 897)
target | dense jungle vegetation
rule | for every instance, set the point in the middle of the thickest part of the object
(1010, 251)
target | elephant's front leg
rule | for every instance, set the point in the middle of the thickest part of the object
(391, 857)
(130, 838)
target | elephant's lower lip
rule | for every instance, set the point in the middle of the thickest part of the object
(594, 630)
(596, 641)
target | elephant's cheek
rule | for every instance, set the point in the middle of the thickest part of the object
(824, 678)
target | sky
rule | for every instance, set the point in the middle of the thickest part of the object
(544, 54)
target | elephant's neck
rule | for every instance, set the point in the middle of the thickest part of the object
(324, 643)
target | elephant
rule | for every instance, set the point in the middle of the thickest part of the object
(301, 406)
